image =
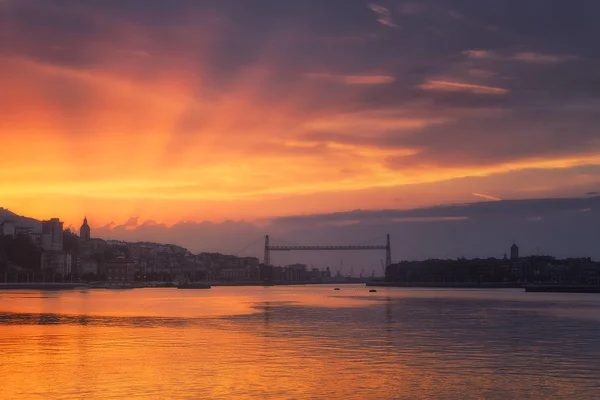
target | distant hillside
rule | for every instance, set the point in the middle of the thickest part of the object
(20, 220)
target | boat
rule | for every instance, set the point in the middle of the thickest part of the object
(372, 291)
(193, 285)
(337, 288)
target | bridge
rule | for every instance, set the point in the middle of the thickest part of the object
(387, 247)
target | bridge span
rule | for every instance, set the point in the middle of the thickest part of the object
(387, 247)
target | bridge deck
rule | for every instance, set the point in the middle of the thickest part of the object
(289, 248)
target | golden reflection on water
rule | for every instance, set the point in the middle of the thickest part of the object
(294, 342)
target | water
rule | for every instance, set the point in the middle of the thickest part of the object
(303, 342)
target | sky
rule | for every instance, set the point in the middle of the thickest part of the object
(233, 117)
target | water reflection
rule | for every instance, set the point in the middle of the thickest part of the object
(299, 342)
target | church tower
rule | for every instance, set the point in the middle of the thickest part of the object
(84, 231)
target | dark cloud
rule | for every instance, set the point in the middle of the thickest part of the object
(504, 209)
(559, 227)
(294, 38)
(563, 227)
(503, 138)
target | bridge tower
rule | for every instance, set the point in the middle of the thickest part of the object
(267, 251)
(388, 252)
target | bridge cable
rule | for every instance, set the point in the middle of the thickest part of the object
(248, 246)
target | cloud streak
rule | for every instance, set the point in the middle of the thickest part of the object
(384, 16)
(486, 196)
(526, 56)
(353, 79)
(448, 86)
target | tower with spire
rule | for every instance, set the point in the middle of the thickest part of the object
(84, 231)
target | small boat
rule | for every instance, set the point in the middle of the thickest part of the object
(337, 288)
(372, 291)
(193, 286)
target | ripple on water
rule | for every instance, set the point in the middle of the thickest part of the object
(284, 344)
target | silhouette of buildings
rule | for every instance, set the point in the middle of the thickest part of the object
(119, 271)
(91, 259)
(7, 228)
(52, 235)
(514, 252)
(52, 256)
(517, 270)
(296, 272)
(87, 266)
(57, 261)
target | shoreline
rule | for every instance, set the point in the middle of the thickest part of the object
(528, 287)
(440, 285)
(42, 286)
(96, 285)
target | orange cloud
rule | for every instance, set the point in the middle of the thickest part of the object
(369, 80)
(354, 79)
(479, 54)
(462, 87)
(141, 128)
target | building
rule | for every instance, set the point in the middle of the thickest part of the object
(296, 272)
(315, 274)
(88, 266)
(119, 271)
(57, 261)
(250, 261)
(35, 237)
(84, 231)
(234, 274)
(7, 228)
(514, 252)
(52, 235)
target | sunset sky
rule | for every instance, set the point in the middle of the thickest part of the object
(158, 112)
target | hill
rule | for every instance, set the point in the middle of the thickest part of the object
(19, 220)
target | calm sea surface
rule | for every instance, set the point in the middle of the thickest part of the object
(299, 342)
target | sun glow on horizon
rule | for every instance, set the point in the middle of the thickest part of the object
(166, 125)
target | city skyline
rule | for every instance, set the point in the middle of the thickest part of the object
(563, 228)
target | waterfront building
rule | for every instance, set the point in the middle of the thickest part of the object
(88, 266)
(52, 235)
(57, 261)
(119, 271)
(315, 274)
(296, 273)
(235, 274)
